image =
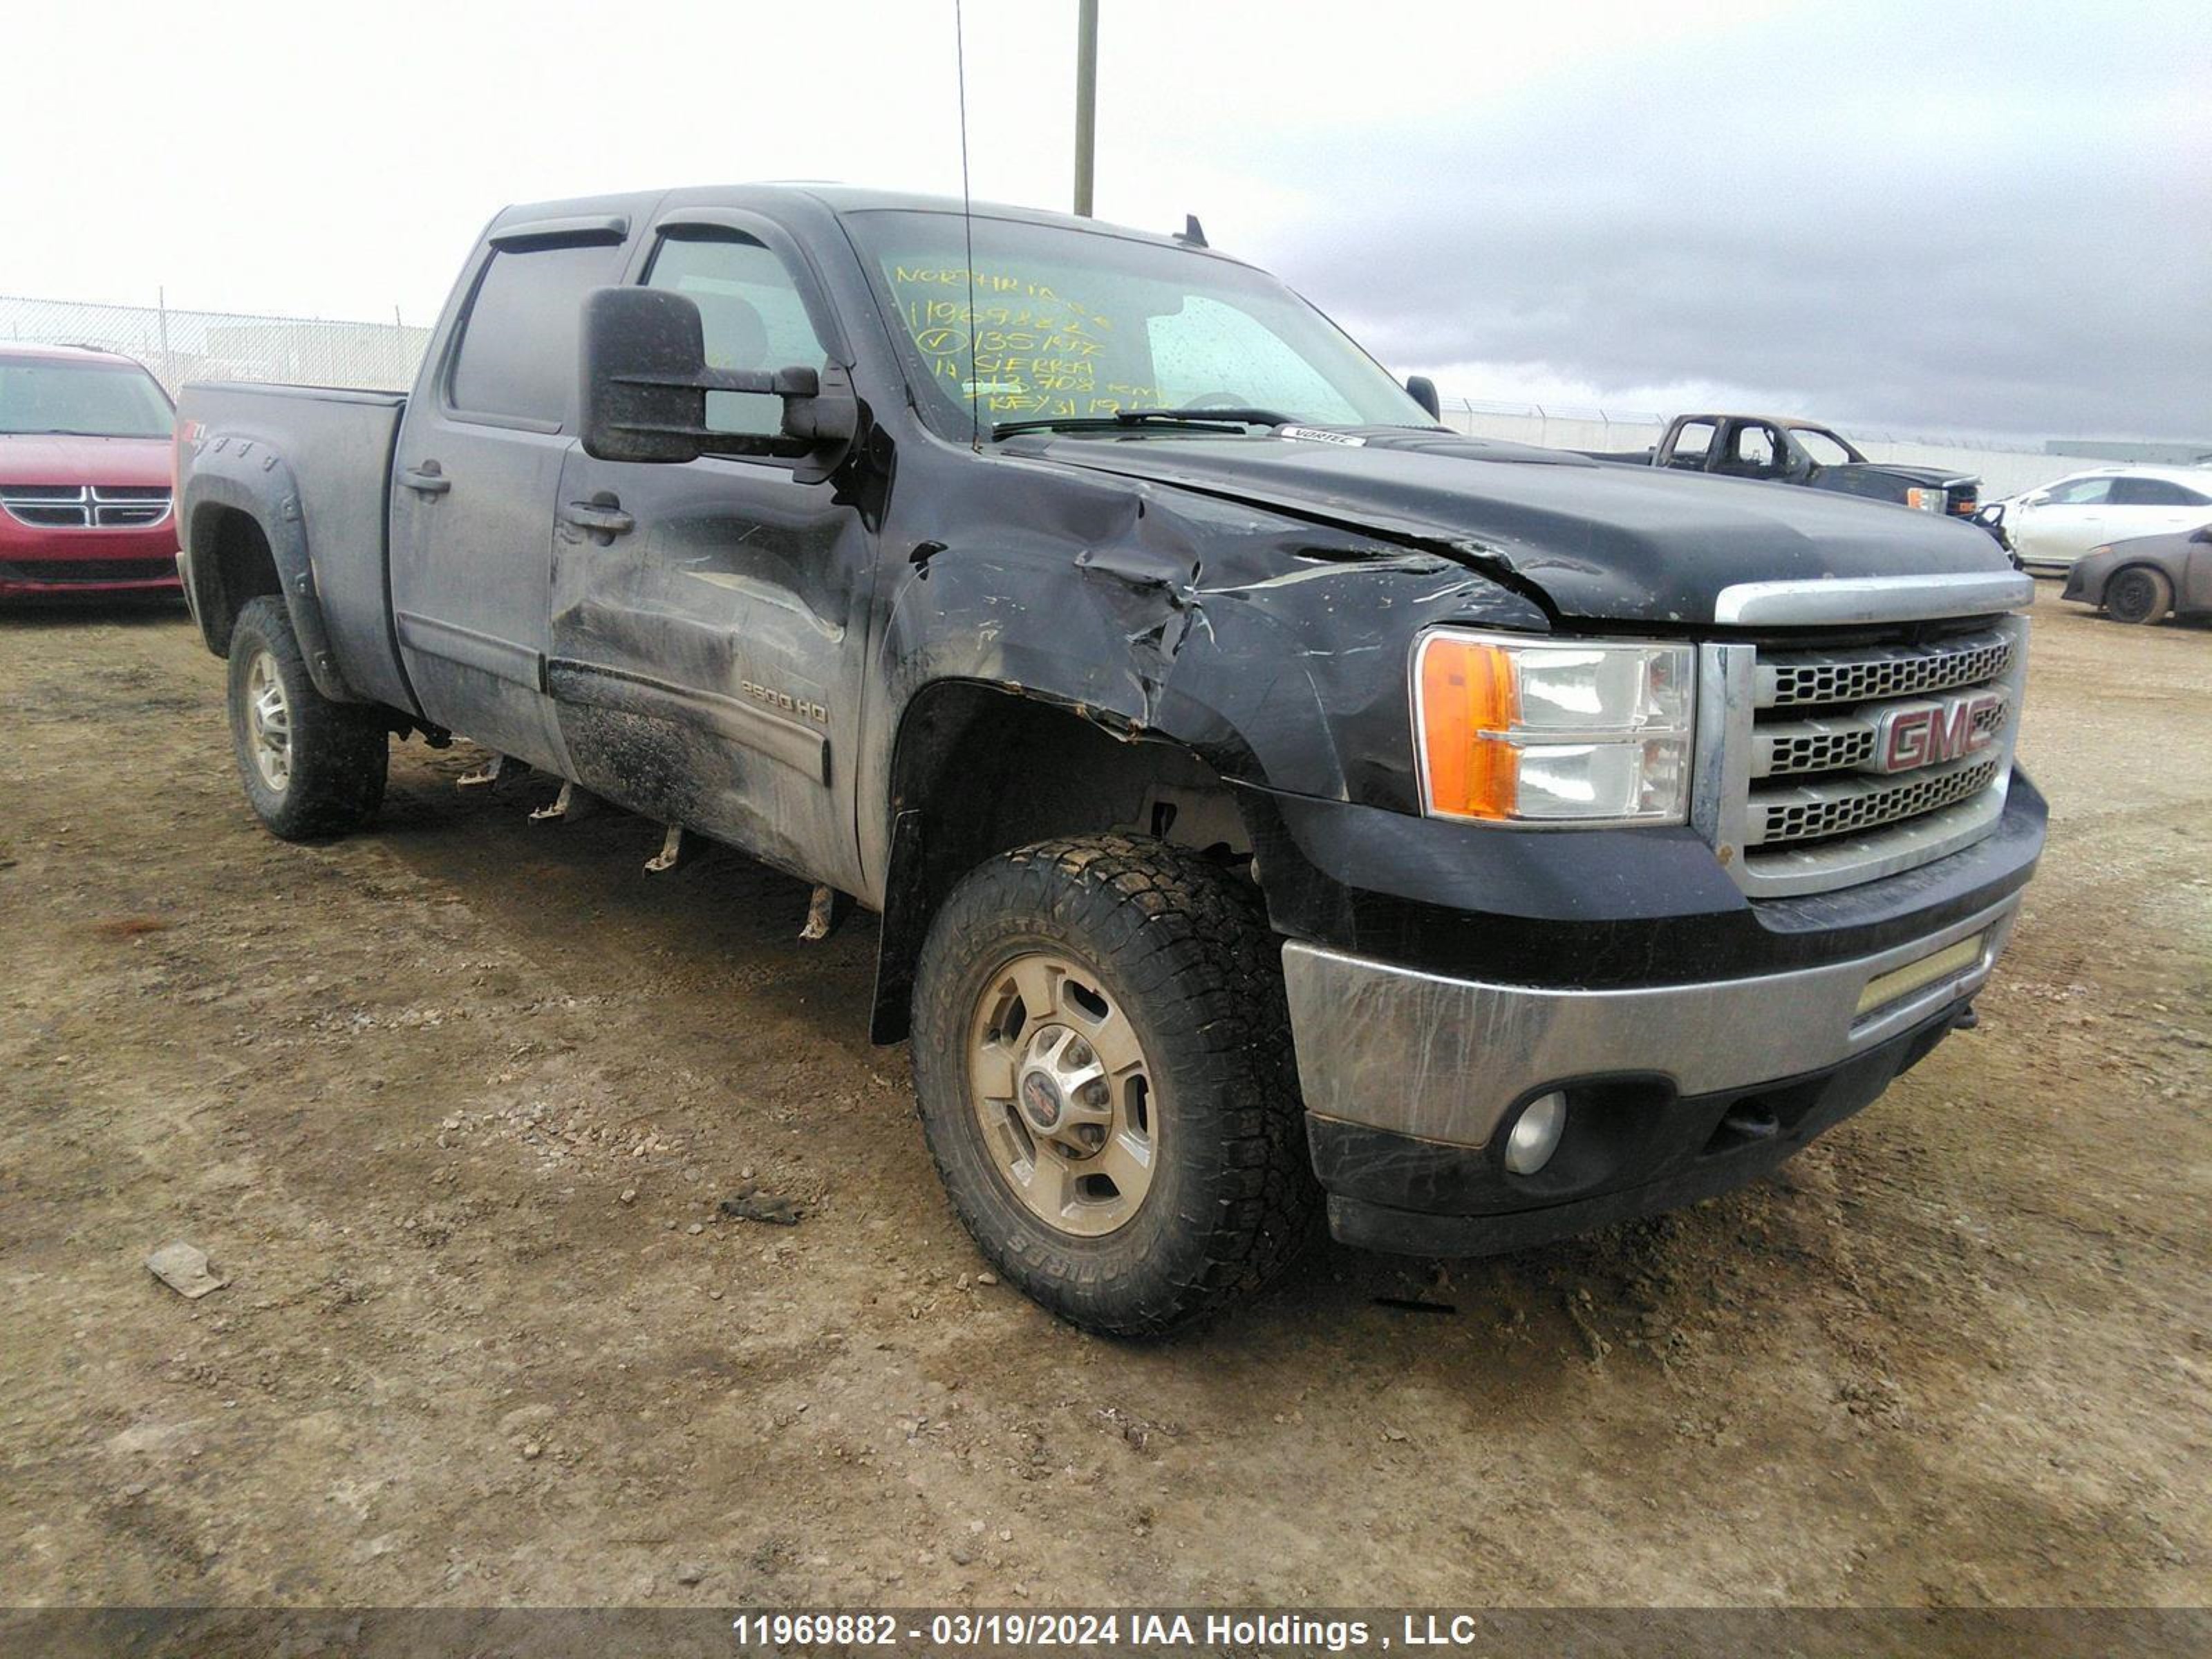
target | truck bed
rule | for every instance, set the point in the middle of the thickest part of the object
(337, 445)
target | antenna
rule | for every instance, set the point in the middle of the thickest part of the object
(968, 229)
(1086, 102)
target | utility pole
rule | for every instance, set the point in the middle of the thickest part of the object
(1086, 101)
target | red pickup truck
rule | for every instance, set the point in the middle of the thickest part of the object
(85, 475)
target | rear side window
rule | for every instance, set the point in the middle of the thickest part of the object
(2154, 492)
(520, 342)
(751, 315)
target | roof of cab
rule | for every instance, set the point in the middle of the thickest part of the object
(1788, 422)
(855, 198)
(838, 199)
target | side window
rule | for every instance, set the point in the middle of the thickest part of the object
(520, 340)
(1823, 447)
(2152, 492)
(1206, 350)
(2083, 492)
(1693, 441)
(1755, 449)
(752, 316)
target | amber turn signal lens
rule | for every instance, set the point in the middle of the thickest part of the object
(1469, 701)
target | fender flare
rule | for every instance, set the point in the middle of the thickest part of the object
(914, 879)
(246, 475)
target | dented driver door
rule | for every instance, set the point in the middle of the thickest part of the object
(708, 617)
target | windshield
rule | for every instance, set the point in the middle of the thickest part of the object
(103, 400)
(1080, 325)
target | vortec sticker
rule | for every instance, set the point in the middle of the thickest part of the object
(1315, 434)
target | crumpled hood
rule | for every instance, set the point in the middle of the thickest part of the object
(1601, 541)
(43, 460)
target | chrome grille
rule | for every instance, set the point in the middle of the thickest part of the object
(1846, 743)
(1809, 811)
(86, 506)
(1801, 677)
(1825, 766)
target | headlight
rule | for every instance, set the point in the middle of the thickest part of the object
(1928, 501)
(1553, 731)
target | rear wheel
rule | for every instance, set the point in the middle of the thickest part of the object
(2138, 594)
(312, 768)
(1103, 1068)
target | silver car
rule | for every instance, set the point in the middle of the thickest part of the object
(2141, 579)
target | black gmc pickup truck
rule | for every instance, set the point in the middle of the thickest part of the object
(1273, 801)
(1778, 450)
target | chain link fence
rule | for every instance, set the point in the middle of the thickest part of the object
(223, 345)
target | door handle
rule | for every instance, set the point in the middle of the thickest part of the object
(428, 479)
(602, 515)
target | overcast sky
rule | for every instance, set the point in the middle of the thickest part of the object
(1964, 218)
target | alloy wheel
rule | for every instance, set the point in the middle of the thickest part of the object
(269, 722)
(1063, 1093)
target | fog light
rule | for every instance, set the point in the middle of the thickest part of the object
(1536, 1133)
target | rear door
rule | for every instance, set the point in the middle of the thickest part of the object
(2152, 507)
(708, 617)
(2066, 524)
(475, 479)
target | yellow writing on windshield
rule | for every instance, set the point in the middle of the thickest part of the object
(1027, 349)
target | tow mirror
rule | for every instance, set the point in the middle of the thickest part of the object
(646, 381)
(1424, 390)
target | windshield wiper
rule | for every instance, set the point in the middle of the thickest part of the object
(1241, 414)
(67, 432)
(1130, 417)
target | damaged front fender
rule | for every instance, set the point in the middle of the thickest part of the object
(1274, 650)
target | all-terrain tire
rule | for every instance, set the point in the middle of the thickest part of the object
(326, 776)
(2138, 594)
(1184, 949)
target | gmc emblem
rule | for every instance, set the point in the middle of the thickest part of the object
(1912, 735)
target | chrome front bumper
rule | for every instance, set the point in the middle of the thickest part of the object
(1444, 1059)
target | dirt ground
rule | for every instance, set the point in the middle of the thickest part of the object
(451, 1104)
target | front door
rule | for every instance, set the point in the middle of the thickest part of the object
(1750, 449)
(2066, 524)
(474, 484)
(708, 617)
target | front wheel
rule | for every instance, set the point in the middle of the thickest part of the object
(312, 768)
(2138, 594)
(1103, 1067)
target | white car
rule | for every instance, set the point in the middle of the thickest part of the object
(2050, 527)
